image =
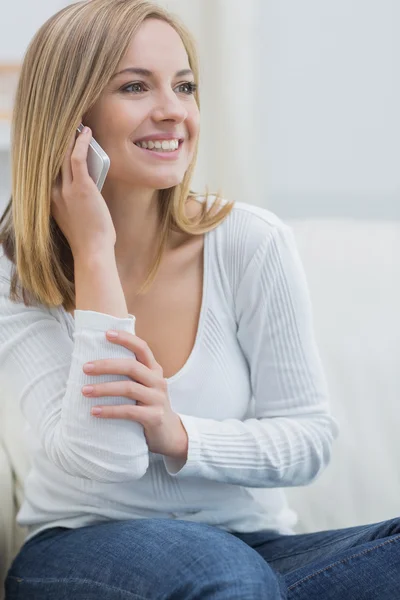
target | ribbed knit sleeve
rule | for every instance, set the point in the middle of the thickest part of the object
(41, 369)
(288, 441)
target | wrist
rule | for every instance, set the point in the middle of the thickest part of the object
(181, 446)
(95, 257)
(97, 283)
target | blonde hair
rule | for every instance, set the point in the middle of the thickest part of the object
(66, 67)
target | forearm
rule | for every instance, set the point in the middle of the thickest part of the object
(103, 450)
(98, 286)
(122, 453)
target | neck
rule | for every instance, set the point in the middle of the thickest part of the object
(135, 215)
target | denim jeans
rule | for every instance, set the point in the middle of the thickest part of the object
(178, 560)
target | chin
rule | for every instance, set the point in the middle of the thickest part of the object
(164, 183)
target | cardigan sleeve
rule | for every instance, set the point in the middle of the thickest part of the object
(288, 441)
(41, 369)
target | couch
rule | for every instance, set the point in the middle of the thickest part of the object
(353, 270)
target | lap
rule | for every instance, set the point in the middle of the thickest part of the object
(172, 559)
(139, 559)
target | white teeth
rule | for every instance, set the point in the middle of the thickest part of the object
(163, 145)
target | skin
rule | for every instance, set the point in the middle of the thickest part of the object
(159, 103)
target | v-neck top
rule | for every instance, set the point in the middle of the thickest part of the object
(252, 397)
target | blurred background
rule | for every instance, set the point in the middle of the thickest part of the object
(300, 100)
(300, 115)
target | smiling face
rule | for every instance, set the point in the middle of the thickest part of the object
(147, 119)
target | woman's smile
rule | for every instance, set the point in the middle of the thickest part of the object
(162, 148)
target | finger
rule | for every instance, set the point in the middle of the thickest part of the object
(127, 389)
(66, 171)
(128, 412)
(138, 346)
(123, 366)
(79, 156)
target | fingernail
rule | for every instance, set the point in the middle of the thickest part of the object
(96, 410)
(86, 130)
(88, 366)
(112, 333)
(87, 389)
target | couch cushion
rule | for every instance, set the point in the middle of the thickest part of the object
(353, 272)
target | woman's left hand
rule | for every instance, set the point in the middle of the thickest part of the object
(164, 431)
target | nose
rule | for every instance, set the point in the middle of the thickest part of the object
(169, 108)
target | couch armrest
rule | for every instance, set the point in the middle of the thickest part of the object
(7, 516)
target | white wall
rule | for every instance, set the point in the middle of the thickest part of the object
(20, 19)
(332, 96)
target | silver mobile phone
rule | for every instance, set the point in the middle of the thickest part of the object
(97, 160)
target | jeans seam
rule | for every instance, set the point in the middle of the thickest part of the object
(311, 575)
(75, 580)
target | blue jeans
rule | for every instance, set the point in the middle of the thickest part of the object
(178, 560)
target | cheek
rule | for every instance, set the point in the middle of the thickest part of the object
(193, 123)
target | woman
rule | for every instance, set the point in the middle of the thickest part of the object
(214, 402)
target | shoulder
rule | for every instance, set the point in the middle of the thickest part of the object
(18, 307)
(250, 239)
(248, 227)
(256, 223)
(250, 218)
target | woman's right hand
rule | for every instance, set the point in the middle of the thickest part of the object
(77, 205)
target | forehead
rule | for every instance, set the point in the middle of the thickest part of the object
(156, 46)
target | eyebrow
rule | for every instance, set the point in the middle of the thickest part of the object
(147, 73)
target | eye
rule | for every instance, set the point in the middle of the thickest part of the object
(137, 87)
(188, 87)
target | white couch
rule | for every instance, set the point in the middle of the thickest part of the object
(353, 270)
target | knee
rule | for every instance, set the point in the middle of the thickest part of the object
(245, 576)
(223, 566)
(391, 527)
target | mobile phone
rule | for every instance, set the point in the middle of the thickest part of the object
(97, 160)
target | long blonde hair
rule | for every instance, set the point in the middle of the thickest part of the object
(66, 67)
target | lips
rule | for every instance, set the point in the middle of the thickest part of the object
(161, 137)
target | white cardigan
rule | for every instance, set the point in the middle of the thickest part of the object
(252, 397)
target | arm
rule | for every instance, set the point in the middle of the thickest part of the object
(97, 284)
(288, 442)
(41, 368)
